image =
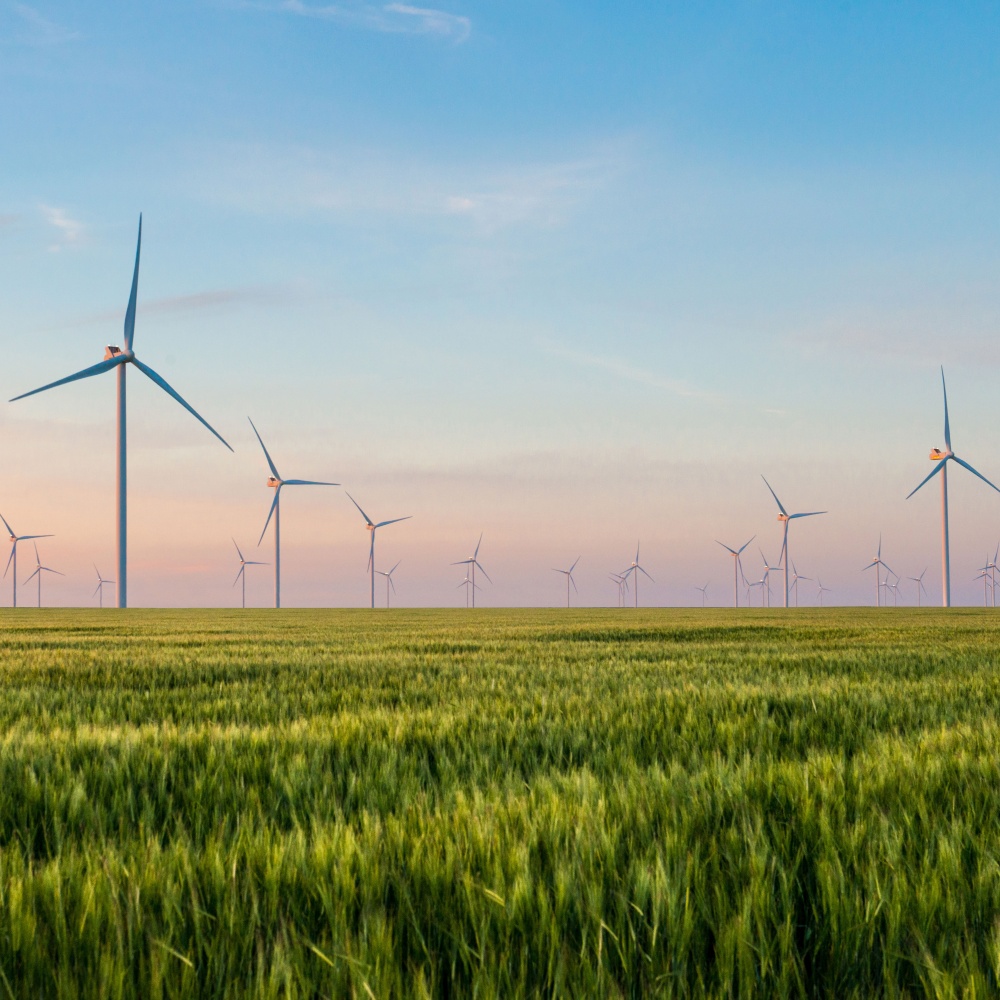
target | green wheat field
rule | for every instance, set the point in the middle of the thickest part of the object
(500, 804)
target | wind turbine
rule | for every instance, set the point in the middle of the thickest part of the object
(12, 558)
(704, 592)
(372, 528)
(919, 581)
(877, 563)
(984, 575)
(821, 591)
(796, 576)
(766, 578)
(622, 583)
(785, 517)
(568, 573)
(39, 569)
(737, 568)
(942, 458)
(242, 575)
(470, 565)
(275, 482)
(388, 581)
(100, 585)
(115, 357)
(750, 586)
(635, 569)
(467, 583)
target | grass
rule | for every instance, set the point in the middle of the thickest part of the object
(500, 804)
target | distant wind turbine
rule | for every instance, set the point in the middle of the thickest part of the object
(115, 357)
(471, 564)
(703, 591)
(796, 576)
(766, 578)
(275, 482)
(242, 575)
(469, 587)
(372, 527)
(388, 580)
(635, 569)
(878, 566)
(737, 568)
(39, 569)
(984, 575)
(622, 584)
(821, 591)
(785, 517)
(568, 573)
(12, 558)
(942, 458)
(919, 581)
(100, 586)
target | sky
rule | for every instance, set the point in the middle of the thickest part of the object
(569, 275)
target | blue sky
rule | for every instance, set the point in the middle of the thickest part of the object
(567, 274)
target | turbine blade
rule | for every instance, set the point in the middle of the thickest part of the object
(395, 520)
(394, 568)
(475, 555)
(270, 464)
(10, 531)
(391, 584)
(965, 465)
(98, 369)
(481, 570)
(645, 574)
(937, 468)
(238, 575)
(307, 482)
(728, 549)
(274, 503)
(32, 575)
(130, 311)
(947, 426)
(368, 520)
(572, 581)
(240, 554)
(27, 538)
(811, 513)
(166, 387)
(98, 587)
(573, 567)
(49, 569)
(745, 544)
(775, 495)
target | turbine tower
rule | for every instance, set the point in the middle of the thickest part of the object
(785, 517)
(116, 357)
(635, 569)
(372, 528)
(242, 575)
(275, 482)
(39, 569)
(877, 563)
(12, 558)
(100, 586)
(943, 458)
(388, 580)
(737, 569)
(568, 573)
(470, 564)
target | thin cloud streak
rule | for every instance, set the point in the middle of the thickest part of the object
(70, 231)
(623, 370)
(40, 30)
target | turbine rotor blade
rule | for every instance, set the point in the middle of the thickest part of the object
(775, 495)
(270, 463)
(745, 544)
(98, 369)
(947, 426)
(167, 388)
(238, 575)
(130, 311)
(368, 520)
(274, 503)
(395, 520)
(937, 468)
(965, 465)
(481, 570)
(811, 513)
(728, 549)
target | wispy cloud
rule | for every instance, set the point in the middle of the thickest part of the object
(390, 18)
(7, 220)
(629, 372)
(69, 231)
(37, 29)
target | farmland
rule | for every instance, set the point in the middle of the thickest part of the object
(499, 803)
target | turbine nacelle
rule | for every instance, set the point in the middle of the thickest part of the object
(111, 352)
(273, 482)
(936, 454)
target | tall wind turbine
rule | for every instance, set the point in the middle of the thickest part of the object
(39, 569)
(115, 357)
(388, 580)
(242, 575)
(737, 568)
(12, 558)
(635, 569)
(919, 581)
(703, 591)
(785, 517)
(100, 586)
(878, 565)
(942, 458)
(470, 564)
(372, 528)
(275, 482)
(568, 573)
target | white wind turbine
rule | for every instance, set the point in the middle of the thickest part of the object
(622, 585)
(115, 357)
(470, 565)
(100, 586)
(470, 587)
(984, 575)
(785, 517)
(372, 528)
(568, 573)
(737, 568)
(275, 482)
(821, 591)
(12, 558)
(39, 569)
(942, 458)
(703, 591)
(242, 574)
(635, 569)
(388, 580)
(878, 566)
(919, 581)
(796, 576)
(765, 580)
